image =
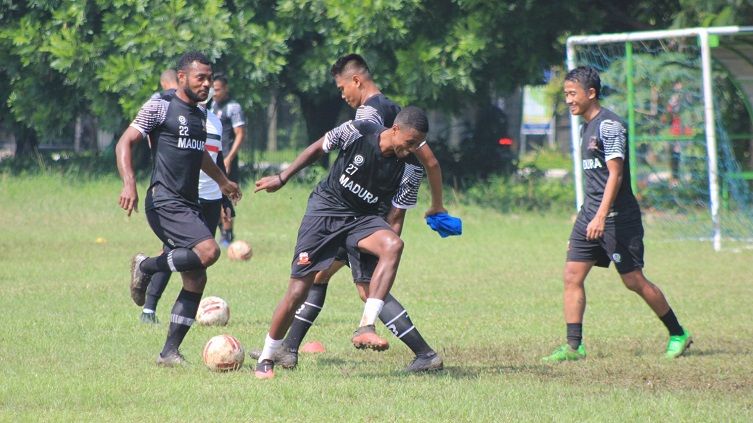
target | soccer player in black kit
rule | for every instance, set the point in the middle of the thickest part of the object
(177, 129)
(353, 78)
(346, 209)
(608, 227)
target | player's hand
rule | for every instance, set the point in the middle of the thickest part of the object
(231, 190)
(269, 183)
(595, 228)
(129, 199)
(434, 210)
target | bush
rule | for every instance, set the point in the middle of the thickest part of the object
(528, 190)
(64, 163)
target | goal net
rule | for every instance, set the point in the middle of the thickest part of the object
(686, 98)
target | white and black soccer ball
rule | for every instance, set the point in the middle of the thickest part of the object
(223, 353)
(213, 311)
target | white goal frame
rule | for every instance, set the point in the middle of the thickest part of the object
(711, 146)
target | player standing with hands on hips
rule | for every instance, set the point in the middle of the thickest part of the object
(608, 226)
(177, 128)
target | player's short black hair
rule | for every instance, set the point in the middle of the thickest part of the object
(413, 117)
(219, 76)
(587, 77)
(192, 56)
(350, 62)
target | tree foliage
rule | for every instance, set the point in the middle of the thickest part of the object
(102, 58)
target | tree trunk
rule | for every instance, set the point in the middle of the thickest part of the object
(272, 121)
(26, 141)
(77, 132)
(320, 113)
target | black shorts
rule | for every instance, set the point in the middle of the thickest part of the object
(178, 226)
(210, 210)
(320, 237)
(362, 265)
(622, 244)
(342, 255)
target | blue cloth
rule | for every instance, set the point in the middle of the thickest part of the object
(445, 224)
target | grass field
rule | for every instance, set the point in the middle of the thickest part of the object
(72, 348)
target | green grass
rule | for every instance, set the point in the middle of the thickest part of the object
(72, 348)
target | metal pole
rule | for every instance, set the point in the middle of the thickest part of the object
(631, 114)
(708, 109)
(653, 35)
(575, 138)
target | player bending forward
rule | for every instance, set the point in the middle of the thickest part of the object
(345, 210)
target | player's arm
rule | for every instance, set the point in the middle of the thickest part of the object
(395, 219)
(129, 197)
(434, 175)
(227, 186)
(240, 136)
(310, 155)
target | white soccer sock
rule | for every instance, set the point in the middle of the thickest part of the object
(270, 348)
(371, 311)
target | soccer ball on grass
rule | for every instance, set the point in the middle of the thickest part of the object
(239, 251)
(213, 311)
(223, 353)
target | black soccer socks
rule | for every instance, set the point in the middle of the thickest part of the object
(673, 326)
(181, 319)
(305, 316)
(156, 287)
(176, 260)
(574, 335)
(395, 317)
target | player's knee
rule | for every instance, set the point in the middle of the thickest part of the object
(572, 279)
(322, 277)
(210, 255)
(297, 291)
(393, 246)
(633, 281)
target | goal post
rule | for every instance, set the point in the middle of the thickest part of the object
(645, 69)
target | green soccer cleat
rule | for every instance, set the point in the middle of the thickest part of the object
(566, 353)
(678, 344)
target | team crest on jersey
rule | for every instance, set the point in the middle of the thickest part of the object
(303, 259)
(593, 144)
(358, 160)
(182, 119)
(616, 257)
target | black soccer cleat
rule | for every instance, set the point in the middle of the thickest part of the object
(285, 357)
(430, 362)
(149, 318)
(265, 369)
(174, 359)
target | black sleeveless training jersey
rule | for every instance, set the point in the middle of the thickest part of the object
(604, 138)
(178, 133)
(361, 180)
